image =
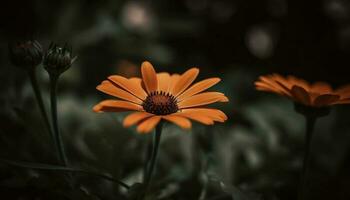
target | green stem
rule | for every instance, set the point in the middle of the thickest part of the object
(147, 159)
(40, 166)
(58, 136)
(156, 143)
(39, 99)
(310, 124)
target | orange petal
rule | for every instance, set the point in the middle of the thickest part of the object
(343, 91)
(300, 95)
(282, 81)
(129, 85)
(185, 80)
(149, 124)
(321, 88)
(215, 114)
(269, 81)
(265, 85)
(260, 83)
(201, 99)
(135, 117)
(108, 88)
(116, 106)
(344, 88)
(149, 77)
(198, 87)
(163, 81)
(180, 121)
(100, 109)
(197, 117)
(136, 80)
(298, 82)
(273, 84)
(343, 101)
(262, 87)
(173, 80)
(325, 100)
(223, 99)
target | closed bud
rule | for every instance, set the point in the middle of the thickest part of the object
(58, 59)
(26, 54)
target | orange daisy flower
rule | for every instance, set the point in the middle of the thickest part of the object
(161, 96)
(319, 94)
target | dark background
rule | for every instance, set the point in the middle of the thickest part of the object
(258, 150)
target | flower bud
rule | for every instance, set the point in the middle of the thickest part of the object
(26, 54)
(58, 59)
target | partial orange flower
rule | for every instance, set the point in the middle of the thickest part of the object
(161, 96)
(319, 94)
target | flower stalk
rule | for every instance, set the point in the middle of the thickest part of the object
(311, 114)
(56, 61)
(57, 134)
(310, 124)
(39, 99)
(28, 54)
(147, 158)
(156, 142)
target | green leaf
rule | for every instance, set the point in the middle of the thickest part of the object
(40, 166)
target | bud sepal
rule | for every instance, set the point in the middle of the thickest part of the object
(58, 59)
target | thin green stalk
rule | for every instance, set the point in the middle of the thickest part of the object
(310, 124)
(40, 166)
(154, 155)
(58, 136)
(39, 99)
(147, 159)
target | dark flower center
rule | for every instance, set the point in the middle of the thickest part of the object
(160, 103)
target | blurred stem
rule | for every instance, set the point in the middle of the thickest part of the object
(153, 160)
(39, 99)
(147, 159)
(310, 124)
(58, 136)
(204, 169)
(40, 166)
